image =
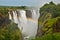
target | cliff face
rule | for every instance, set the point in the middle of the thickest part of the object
(48, 21)
(4, 20)
(27, 21)
(4, 17)
(8, 29)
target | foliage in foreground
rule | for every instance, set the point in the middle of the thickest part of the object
(10, 32)
(55, 36)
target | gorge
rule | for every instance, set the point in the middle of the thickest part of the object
(27, 21)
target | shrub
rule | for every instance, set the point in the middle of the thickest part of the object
(55, 36)
(10, 32)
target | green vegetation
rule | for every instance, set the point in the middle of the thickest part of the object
(10, 32)
(55, 36)
(4, 9)
(8, 29)
(49, 22)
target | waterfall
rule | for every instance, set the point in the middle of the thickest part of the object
(35, 15)
(10, 17)
(27, 22)
(15, 19)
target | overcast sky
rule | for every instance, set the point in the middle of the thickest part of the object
(37, 3)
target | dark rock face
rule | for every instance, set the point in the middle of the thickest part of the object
(28, 14)
(4, 20)
(39, 32)
(18, 14)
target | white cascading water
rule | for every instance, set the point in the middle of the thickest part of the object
(15, 19)
(28, 26)
(10, 17)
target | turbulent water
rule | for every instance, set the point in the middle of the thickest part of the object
(27, 21)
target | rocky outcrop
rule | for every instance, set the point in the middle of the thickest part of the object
(4, 20)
